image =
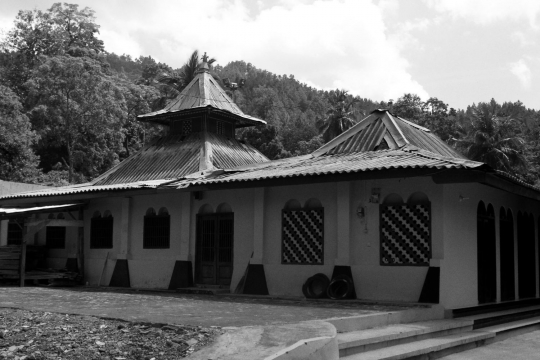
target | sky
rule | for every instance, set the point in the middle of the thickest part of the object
(459, 51)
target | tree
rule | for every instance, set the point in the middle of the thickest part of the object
(409, 106)
(340, 116)
(60, 30)
(493, 139)
(17, 160)
(77, 105)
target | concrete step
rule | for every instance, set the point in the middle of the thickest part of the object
(429, 348)
(502, 317)
(514, 328)
(355, 342)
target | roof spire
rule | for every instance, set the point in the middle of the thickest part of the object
(203, 67)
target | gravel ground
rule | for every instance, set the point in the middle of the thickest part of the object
(26, 335)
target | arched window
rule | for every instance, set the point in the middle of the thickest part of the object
(55, 236)
(224, 208)
(101, 230)
(157, 229)
(405, 230)
(302, 233)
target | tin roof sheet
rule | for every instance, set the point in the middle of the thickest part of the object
(408, 157)
(203, 91)
(174, 156)
(381, 125)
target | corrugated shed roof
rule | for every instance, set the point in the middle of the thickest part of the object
(425, 139)
(407, 158)
(85, 188)
(203, 91)
(365, 140)
(381, 125)
(175, 156)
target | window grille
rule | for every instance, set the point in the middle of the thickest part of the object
(101, 231)
(219, 127)
(187, 127)
(15, 233)
(157, 229)
(302, 237)
(56, 237)
(405, 234)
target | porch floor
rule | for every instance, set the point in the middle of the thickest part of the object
(188, 309)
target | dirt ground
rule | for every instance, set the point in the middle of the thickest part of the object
(33, 335)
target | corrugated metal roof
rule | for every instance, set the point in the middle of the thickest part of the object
(381, 125)
(425, 139)
(203, 91)
(174, 156)
(407, 158)
(365, 140)
(85, 188)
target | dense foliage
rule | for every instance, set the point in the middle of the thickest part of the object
(68, 109)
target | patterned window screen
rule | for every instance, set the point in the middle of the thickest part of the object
(187, 127)
(405, 234)
(303, 237)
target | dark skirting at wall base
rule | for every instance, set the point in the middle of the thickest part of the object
(253, 282)
(72, 265)
(120, 276)
(344, 270)
(430, 290)
(182, 276)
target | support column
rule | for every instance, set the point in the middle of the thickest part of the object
(3, 232)
(185, 225)
(498, 253)
(182, 274)
(343, 223)
(124, 248)
(258, 226)
(120, 276)
(22, 269)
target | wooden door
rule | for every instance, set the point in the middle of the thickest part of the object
(486, 254)
(215, 243)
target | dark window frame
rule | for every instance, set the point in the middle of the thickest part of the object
(101, 232)
(157, 230)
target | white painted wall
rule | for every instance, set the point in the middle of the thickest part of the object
(459, 270)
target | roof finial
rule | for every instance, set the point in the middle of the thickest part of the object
(205, 57)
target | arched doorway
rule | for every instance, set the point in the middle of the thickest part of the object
(486, 254)
(506, 223)
(526, 256)
(215, 245)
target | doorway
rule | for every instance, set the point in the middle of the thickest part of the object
(214, 253)
(486, 254)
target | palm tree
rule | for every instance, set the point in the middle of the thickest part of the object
(340, 116)
(492, 139)
(174, 82)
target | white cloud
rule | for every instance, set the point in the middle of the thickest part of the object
(330, 43)
(522, 71)
(488, 11)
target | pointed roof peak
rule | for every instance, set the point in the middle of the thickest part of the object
(202, 92)
(383, 130)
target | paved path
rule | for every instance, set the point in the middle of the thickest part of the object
(522, 347)
(202, 310)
